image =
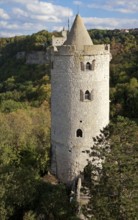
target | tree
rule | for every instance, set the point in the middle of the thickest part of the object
(24, 157)
(114, 195)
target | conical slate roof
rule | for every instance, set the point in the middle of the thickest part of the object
(78, 34)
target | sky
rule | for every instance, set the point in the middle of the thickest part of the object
(24, 17)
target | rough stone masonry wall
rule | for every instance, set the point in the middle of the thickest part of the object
(70, 114)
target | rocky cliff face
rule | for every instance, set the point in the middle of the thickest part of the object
(34, 57)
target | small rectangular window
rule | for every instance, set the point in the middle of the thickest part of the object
(93, 65)
(79, 133)
(87, 95)
(81, 96)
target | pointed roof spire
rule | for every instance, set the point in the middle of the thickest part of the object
(78, 34)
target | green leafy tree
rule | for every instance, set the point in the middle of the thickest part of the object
(24, 157)
(114, 195)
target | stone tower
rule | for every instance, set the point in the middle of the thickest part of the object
(80, 100)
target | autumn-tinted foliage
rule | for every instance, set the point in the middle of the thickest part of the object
(25, 92)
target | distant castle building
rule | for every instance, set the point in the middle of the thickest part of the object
(80, 100)
(58, 41)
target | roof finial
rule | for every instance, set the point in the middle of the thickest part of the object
(68, 21)
(68, 24)
(78, 9)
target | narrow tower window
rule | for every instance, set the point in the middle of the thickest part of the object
(87, 95)
(88, 66)
(93, 64)
(79, 133)
(82, 66)
(81, 95)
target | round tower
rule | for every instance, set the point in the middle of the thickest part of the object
(80, 100)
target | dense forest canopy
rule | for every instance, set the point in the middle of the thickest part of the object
(25, 92)
(21, 83)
